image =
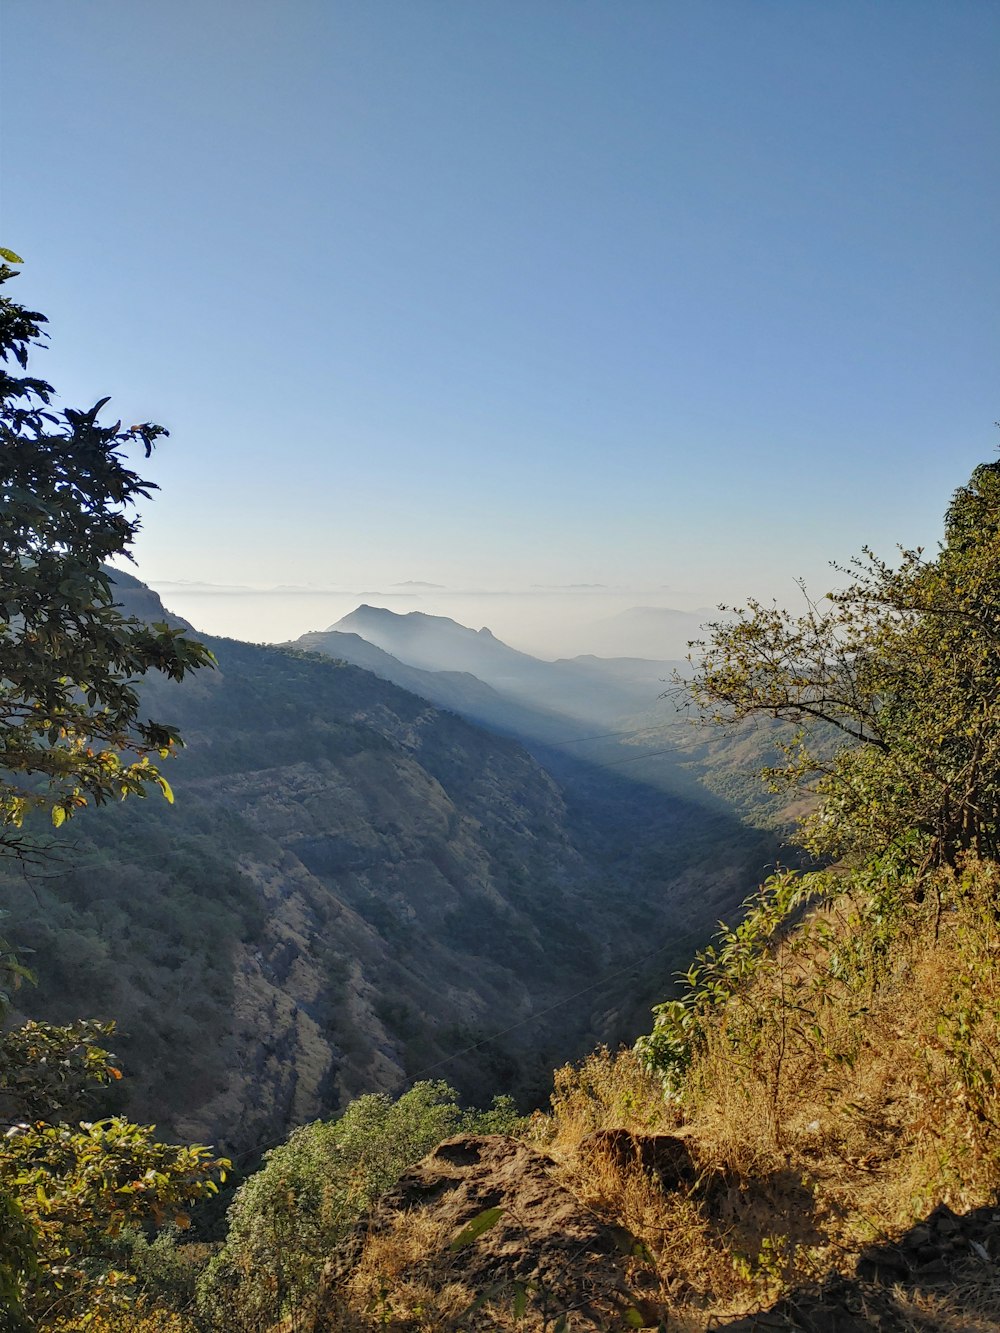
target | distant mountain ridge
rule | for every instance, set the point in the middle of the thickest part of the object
(458, 691)
(437, 643)
(607, 711)
(588, 689)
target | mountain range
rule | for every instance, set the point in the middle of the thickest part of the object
(476, 674)
(609, 713)
(356, 889)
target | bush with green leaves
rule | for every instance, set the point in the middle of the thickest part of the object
(721, 971)
(285, 1219)
(69, 1187)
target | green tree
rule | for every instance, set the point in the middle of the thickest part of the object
(77, 1187)
(893, 684)
(71, 726)
(71, 732)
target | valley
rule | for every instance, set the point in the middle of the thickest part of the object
(360, 885)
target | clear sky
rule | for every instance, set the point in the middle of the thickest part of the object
(679, 297)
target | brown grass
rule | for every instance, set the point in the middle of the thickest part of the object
(603, 1090)
(973, 1309)
(401, 1282)
(840, 1095)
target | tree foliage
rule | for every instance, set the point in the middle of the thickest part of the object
(68, 1187)
(71, 732)
(71, 728)
(77, 1186)
(894, 685)
(47, 1071)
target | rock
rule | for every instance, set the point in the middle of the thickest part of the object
(943, 1220)
(543, 1241)
(885, 1264)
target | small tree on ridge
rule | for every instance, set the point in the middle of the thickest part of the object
(894, 685)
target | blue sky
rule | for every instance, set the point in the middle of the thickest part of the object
(684, 299)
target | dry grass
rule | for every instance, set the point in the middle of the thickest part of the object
(841, 1094)
(604, 1090)
(401, 1282)
(967, 1311)
(695, 1265)
(873, 1081)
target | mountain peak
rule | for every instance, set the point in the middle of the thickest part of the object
(436, 643)
(367, 612)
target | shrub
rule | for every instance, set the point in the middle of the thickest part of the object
(286, 1218)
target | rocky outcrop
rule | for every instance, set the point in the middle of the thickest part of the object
(506, 1232)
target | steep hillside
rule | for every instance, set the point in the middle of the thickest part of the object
(827, 1163)
(579, 716)
(459, 691)
(352, 888)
